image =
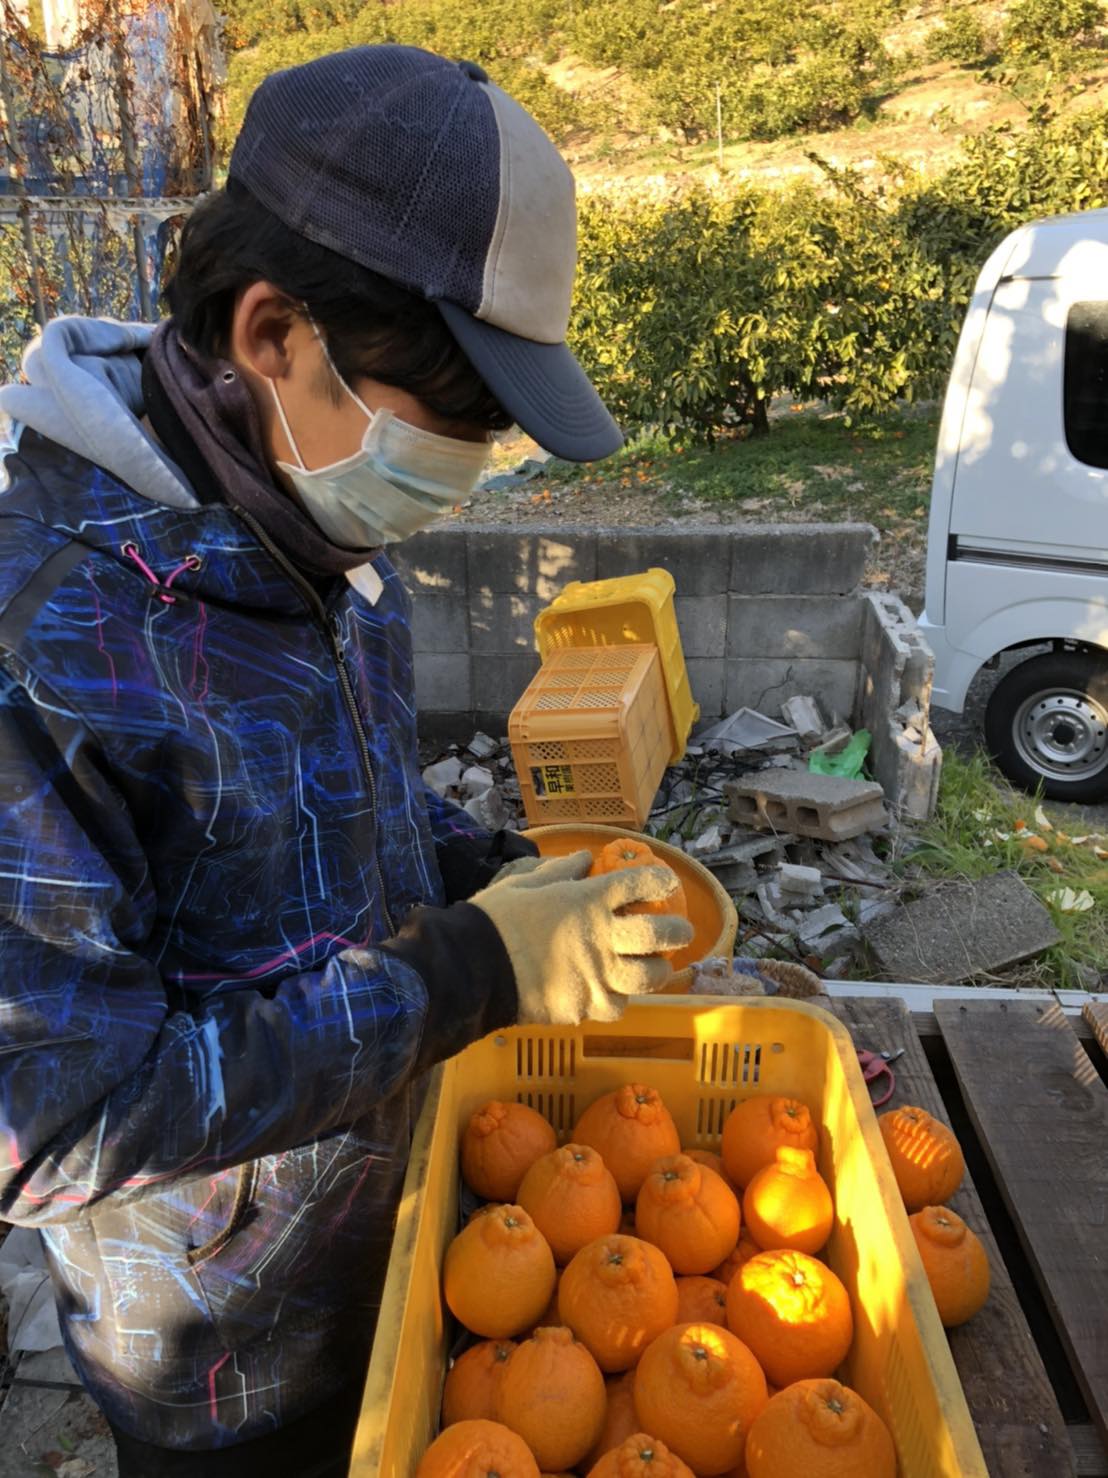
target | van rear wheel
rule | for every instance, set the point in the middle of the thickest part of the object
(1046, 725)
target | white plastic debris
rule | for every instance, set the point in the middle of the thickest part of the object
(1071, 900)
(746, 729)
(444, 776)
(488, 809)
(476, 780)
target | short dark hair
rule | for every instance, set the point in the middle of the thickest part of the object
(372, 326)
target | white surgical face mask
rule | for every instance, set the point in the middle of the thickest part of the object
(399, 480)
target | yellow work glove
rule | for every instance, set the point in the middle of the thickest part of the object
(575, 957)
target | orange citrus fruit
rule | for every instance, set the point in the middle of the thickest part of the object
(819, 1429)
(788, 1204)
(756, 1129)
(631, 1128)
(698, 1389)
(473, 1449)
(469, 1393)
(640, 1456)
(955, 1262)
(793, 1312)
(572, 1198)
(552, 1394)
(926, 1158)
(701, 1301)
(500, 1144)
(617, 1294)
(498, 1273)
(687, 1210)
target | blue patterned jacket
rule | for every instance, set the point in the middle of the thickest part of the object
(210, 817)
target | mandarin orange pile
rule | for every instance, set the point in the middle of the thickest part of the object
(653, 1312)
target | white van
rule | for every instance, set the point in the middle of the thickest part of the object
(1018, 540)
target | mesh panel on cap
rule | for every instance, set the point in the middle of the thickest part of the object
(386, 154)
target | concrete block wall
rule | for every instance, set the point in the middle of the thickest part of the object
(897, 669)
(765, 612)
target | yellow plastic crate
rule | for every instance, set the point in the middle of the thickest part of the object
(590, 736)
(630, 610)
(703, 1057)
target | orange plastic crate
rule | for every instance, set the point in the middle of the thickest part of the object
(592, 735)
(629, 610)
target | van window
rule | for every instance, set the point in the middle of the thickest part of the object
(1086, 383)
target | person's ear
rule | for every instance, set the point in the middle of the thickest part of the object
(266, 330)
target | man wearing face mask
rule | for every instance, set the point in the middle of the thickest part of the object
(235, 926)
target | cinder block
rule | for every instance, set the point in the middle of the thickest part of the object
(503, 623)
(897, 668)
(499, 680)
(532, 561)
(823, 626)
(440, 623)
(824, 806)
(698, 559)
(433, 562)
(765, 683)
(706, 675)
(702, 622)
(816, 559)
(442, 682)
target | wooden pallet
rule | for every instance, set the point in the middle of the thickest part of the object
(1028, 1103)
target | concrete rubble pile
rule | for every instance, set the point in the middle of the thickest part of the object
(807, 856)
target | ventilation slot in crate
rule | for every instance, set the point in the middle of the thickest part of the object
(557, 1108)
(545, 1057)
(727, 1064)
(710, 1116)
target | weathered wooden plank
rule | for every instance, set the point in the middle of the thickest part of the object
(1041, 1112)
(1090, 1454)
(1096, 1014)
(1019, 1425)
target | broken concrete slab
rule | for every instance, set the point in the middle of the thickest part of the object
(828, 932)
(962, 930)
(734, 865)
(803, 714)
(706, 842)
(799, 882)
(824, 806)
(482, 746)
(835, 740)
(769, 901)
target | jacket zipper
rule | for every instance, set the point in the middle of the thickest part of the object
(331, 628)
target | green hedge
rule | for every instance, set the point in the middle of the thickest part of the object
(693, 309)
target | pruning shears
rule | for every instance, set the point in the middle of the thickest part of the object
(876, 1066)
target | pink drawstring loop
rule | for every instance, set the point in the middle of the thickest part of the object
(192, 563)
(131, 551)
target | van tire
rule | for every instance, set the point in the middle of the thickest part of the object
(1045, 709)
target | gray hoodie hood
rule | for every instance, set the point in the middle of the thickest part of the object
(84, 391)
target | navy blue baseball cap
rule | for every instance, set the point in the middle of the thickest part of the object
(422, 170)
